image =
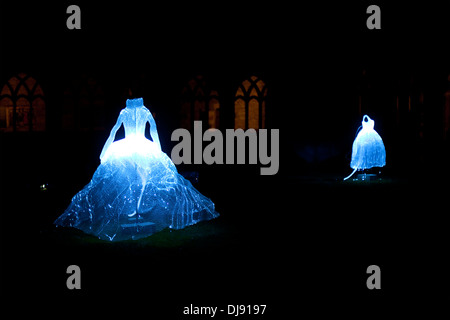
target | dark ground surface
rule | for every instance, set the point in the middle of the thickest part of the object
(299, 244)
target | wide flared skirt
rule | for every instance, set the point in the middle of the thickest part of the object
(368, 151)
(135, 193)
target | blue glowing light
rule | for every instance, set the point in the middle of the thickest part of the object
(368, 149)
(136, 190)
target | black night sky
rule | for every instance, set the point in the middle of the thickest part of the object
(298, 241)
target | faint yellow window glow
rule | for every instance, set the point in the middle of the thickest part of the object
(22, 105)
(250, 104)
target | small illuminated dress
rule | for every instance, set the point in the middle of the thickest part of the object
(368, 149)
(136, 190)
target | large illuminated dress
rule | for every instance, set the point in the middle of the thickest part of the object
(368, 149)
(136, 190)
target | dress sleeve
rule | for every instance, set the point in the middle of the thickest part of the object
(153, 130)
(112, 135)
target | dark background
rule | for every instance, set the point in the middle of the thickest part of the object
(299, 241)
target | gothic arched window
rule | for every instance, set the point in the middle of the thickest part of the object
(22, 105)
(250, 104)
(198, 102)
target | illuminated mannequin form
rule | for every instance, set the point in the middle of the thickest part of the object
(136, 190)
(134, 119)
(368, 149)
